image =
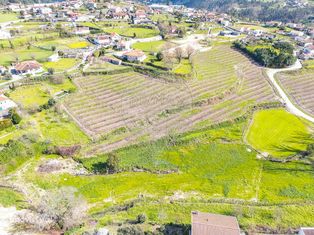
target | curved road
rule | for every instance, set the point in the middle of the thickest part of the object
(292, 108)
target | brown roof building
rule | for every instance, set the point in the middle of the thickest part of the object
(213, 224)
(27, 66)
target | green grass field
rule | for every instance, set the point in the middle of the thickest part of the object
(23, 54)
(6, 17)
(78, 45)
(278, 133)
(9, 198)
(64, 43)
(149, 46)
(130, 32)
(183, 68)
(205, 168)
(62, 64)
(34, 95)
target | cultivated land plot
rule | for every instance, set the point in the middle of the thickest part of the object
(299, 86)
(129, 107)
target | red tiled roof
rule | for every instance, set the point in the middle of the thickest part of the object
(3, 98)
(27, 65)
(134, 53)
(213, 224)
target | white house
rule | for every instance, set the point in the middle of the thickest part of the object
(5, 105)
(134, 56)
(81, 31)
(53, 57)
(4, 34)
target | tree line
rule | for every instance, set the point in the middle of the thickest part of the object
(276, 55)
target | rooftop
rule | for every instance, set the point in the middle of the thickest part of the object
(214, 224)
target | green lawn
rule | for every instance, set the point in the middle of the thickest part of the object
(30, 96)
(63, 43)
(59, 130)
(34, 95)
(278, 133)
(23, 54)
(62, 64)
(5, 17)
(78, 45)
(149, 46)
(183, 68)
(130, 32)
(9, 198)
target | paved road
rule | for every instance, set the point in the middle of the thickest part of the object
(292, 108)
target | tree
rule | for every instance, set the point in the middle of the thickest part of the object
(15, 117)
(178, 53)
(96, 53)
(11, 44)
(159, 56)
(112, 163)
(189, 51)
(141, 218)
(167, 59)
(51, 71)
(130, 230)
(60, 209)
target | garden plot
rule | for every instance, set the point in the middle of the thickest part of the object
(299, 86)
(129, 107)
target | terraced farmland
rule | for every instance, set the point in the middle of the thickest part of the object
(129, 107)
(299, 86)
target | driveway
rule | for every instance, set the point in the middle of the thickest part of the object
(291, 107)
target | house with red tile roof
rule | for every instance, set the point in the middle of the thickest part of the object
(214, 224)
(30, 66)
(134, 56)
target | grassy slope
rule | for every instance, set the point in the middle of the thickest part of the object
(211, 164)
(10, 198)
(278, 133)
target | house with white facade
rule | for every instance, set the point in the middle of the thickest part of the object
(6, 105)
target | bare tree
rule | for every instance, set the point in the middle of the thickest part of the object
(178, 53)
(189, 51)
(167, 59)
(58, 209)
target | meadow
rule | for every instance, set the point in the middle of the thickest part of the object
(132, 31)
(6, 17)
(62, 64)
(154, 46)
(22, 54)
(278, 133)
(208, 170)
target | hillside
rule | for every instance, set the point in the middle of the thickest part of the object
(283, 10)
